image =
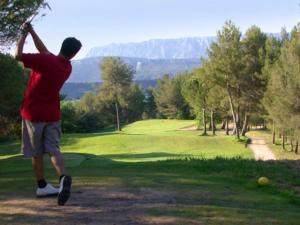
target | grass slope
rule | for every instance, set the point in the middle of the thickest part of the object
(191, 183)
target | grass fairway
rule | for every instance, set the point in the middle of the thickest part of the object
(153, 173)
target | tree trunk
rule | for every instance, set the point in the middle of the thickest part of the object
(245, 125)
(296, 147)
(204, 121)
(210, 125)
(237, 133)
(238, 118)
(117, 115)
(265, 125)
(273, 134)
(223, 126)
(292, 144)
(227, 125)
(283, 140)
(213, 126)
(234, 131)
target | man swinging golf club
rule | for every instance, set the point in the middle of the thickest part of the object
(40, 110)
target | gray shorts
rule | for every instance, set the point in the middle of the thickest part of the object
(39, 138)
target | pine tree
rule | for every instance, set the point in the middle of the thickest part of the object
(225, 60)
(117, 79)
(253, 82)
(195, 90)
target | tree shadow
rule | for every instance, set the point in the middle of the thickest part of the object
(9, 148)
(108, 191)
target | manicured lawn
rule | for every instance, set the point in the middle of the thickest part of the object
(154, 173)
(155, 140)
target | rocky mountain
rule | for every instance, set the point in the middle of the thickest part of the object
(182, 48)
(151, 59)
(88, 69)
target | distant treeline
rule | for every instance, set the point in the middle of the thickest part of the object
(72, 91)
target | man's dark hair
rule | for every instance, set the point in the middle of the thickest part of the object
(70, 47)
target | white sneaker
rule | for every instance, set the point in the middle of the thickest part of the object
(47, 191)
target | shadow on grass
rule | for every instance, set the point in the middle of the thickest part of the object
(285, 173)
(9, 148)
(145, 156)
(183, 189)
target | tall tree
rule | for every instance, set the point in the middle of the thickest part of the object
(253, 82)
(272, 47)
(117, 79)
(225, 60)
(195, 91)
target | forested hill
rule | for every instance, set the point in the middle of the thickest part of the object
(77, 90)
(88, 69)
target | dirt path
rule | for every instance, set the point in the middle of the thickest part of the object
(97, 206)
(261, 150)
(190, 128)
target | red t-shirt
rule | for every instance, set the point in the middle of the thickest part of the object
(48, 74)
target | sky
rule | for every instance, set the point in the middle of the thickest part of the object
(101, 22)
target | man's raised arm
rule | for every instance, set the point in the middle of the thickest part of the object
(36, 39)
(20, 45)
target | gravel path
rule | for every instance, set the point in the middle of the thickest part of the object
(261, 150)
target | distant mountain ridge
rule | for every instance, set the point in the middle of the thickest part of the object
(181, 48)
(151, 59)
(88, 69)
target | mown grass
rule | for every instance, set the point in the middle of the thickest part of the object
(212, 179)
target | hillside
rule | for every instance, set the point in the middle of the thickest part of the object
(88, 69)
(77, 90)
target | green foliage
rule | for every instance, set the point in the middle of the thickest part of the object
(12, 88)
(13, 14)
(85, 115)
(225, 58)
(253, 83)
(134, 108)
(168, 98)
(117, 78)
(283, 94)
(68, 117)
(150, 108)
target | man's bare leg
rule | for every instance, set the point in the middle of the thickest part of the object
(38, 167)
(58, 163)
